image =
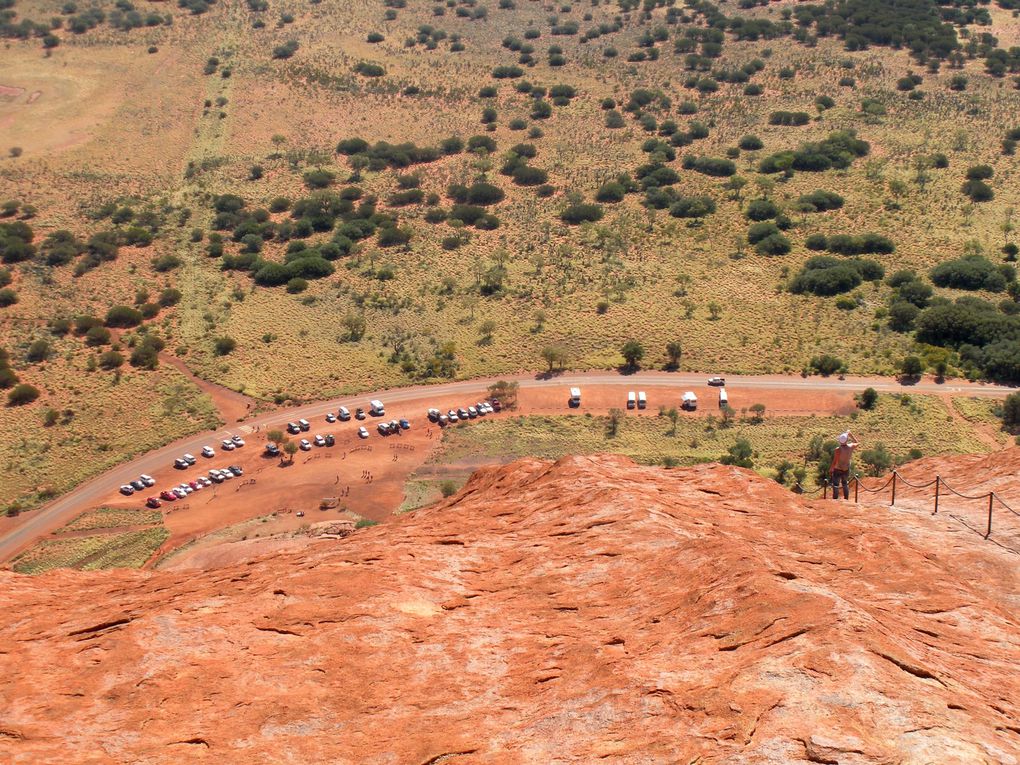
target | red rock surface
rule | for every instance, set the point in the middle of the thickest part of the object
(588, 610)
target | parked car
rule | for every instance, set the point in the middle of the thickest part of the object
(718, 381)
(272, 449)
(215, 477)
(180, 463)
(304, 445)
(631, 399)
(137, 485)
(195, 485)
(204, 480)
(237, 470)
(148, 480)
(153, 502)
(304, 424)
(227, 445)
(383, 428)
(330, 441)
(330, 417)
(452, 416)
(227, 475)
(482, 409)
(208, 451)
(433, 415)
(463, 414)
(443, 420)
(127, 490)
(362, 433)
(343, 413)
(238, 441)
(394, 426)
(376, 408)
(300, 513)
(293, 428)
(472, 412)
(179, 493)
(167, 495)
(319, 440)
(405, 425)
(497, 405)
(359, 414)
(185, 488)
(189, 459)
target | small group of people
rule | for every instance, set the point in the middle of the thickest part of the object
(839, 470)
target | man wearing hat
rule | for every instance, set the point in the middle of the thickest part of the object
(840, 467)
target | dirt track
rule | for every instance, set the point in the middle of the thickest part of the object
(324, 472)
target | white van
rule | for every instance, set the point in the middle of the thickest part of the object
(689, 401)
(631, 400)
(575, 396)
(724, 400)
(376, 408)
(344, 414)
(642, 400)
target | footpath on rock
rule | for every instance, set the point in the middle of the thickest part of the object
(584, 610)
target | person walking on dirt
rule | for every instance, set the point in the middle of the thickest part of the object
(840, 467)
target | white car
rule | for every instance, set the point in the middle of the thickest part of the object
(127, 490)
(362, 433)
(238, 441)
(330, 417)
(320, 441)
(204, 480)
(228, 445)
(148, 480)
(226, 474)
(716, 381)
(208, 451)
(189, 459)
(305, 446)
(185, 488)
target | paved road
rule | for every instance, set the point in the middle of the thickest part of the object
(63, 509)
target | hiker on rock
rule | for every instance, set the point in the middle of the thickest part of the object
(840, 467)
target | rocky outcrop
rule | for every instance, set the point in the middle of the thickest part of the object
(588, 610)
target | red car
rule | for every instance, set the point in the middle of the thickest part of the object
(167, 495)
(153, 502)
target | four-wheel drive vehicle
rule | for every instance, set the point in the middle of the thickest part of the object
(716, 381)
(433, 415)
(497, 405)
(362, 433)
(148, 480)
(304, 424)
(405, 425)
(304, 445)
(383, 428)
(236, 470)
(293, 428)
(227, 445)
(137, 485)
(330, 440)
(272, 449)
(575, 397)
(359, 414)
(319, 440)
(330, 417)
(208, 451)
(189, 459)
(127, 490)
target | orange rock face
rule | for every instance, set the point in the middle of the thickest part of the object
(588, 610)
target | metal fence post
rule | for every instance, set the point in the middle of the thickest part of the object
(857, 486)
(938, 480)
(893, 500)
(991, 497)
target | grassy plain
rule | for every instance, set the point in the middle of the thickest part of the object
(92, 553)
(901, 423)
(115, 123)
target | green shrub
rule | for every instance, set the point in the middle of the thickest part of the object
(123, 316)
(22, 394)
(224, 345)
(580, 213)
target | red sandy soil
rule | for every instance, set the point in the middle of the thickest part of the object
(588, 610)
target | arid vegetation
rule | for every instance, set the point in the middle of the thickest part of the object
(305, 201)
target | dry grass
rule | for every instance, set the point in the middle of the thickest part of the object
(115, 123)
(92, 553)
(112, 518)
(901, 423)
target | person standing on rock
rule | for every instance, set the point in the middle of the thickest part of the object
(840, 467)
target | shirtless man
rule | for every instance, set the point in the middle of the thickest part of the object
(840, 467)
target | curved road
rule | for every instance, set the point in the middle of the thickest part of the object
(63, 509)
